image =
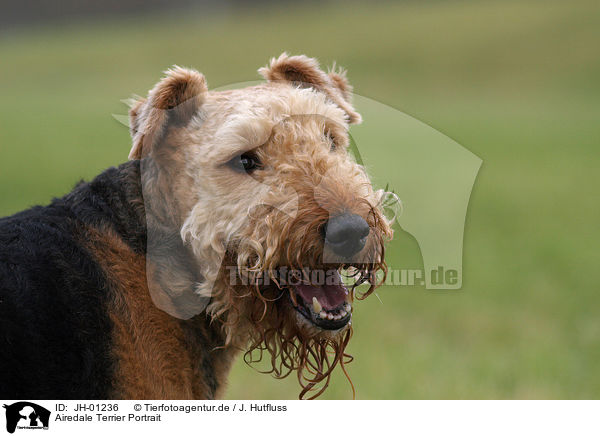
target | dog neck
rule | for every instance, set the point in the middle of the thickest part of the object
(151, 280)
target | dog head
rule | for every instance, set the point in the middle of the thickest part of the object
(282, 224)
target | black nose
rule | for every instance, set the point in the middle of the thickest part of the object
(346, 234)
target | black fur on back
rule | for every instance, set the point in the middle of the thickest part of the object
(54, 326)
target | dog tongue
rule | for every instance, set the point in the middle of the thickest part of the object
(330, 296)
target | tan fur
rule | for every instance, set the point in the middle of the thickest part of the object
(297, 126)
(156, 354)
(179, 94)
(305, 72)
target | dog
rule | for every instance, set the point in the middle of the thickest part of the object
(240, 224)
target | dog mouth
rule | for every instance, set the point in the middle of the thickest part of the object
(325, 304)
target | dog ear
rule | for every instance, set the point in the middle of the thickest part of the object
(305, 72)
(172, 101)
(339, 79)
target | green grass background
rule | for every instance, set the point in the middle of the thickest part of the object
(515, 82)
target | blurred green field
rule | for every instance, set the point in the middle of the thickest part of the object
(515, 82)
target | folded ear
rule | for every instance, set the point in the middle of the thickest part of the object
(339, 79)
(305, 72)
(172, 102)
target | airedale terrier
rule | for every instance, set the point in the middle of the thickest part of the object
(241, 223)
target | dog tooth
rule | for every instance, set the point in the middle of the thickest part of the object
(316, 305)
(347, 307)
(323, 314)
(329, 316)
(343, 313)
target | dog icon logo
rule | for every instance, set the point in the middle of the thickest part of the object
(26, 415)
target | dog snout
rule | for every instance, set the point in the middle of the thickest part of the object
(346, 234)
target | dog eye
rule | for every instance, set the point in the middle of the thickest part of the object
(246, 162)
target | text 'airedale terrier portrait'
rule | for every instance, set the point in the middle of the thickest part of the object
(242, 225)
